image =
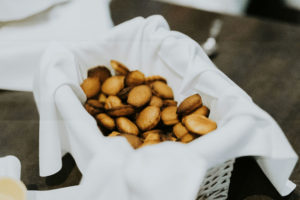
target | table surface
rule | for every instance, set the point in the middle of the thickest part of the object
(261, 56)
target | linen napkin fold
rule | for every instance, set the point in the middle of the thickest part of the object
(28, 29)
(166, 170)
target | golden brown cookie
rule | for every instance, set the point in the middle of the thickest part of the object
(114, 133)
(179, 130)
(92, 110)
(162, 90)
(202, 111)
(113, 85)
(150, 142)
(167, 137)
(124, 125)
(156, 101)
(133, 140)
(112, 102)
(95, 103)
(121, 111)
(102, 98)
(119, 68)
(187, 138)
(139, 95)
(91, 86)
(123, 94)
(169, 102)
(134, 78)
(169, 115)
(106, 121)
(199, 124)
(101, 72)
(151, 79)
(155, 131)
(153, 137)
(148, 118)
(189, 104)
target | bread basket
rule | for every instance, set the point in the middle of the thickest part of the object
(200, 169)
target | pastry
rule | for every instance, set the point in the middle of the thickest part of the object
(199, 124)
(120, 111)
(179, 130)
(124, 125)
(189, 104)
(187, 138)
(162, 90)
(95, 103)
(102, 98)
(169, 102)
(148, 118)
(91, 86)
(119, 68)
(154, 131)
(133, 140)
(151, 79)
(92, 110)
(156, 101)
(139, 95)
(101, 72)
(123, 94)
(114, 133)
(112, 102)
(106, 121)
(134, 78)
(169, 115)
(202, 111)
(113, 85)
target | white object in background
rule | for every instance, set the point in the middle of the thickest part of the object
(210, 46)
(19, 9)
(11, 188)
(233, 7)
(23, 42)
(10, 166)
(293, 4)
(167, 170)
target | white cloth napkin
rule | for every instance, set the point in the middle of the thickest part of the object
(31, 25)
(111, 168)
(11, 10)
(10, 166)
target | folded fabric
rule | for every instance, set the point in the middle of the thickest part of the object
(10, 166)
(166, 170)
(11, 10)
(23, 40)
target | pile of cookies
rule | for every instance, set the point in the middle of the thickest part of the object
(142, 109)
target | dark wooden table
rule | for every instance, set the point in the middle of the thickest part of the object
(262, 57)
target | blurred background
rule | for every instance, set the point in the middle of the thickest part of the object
(261, 56)
(280, 10)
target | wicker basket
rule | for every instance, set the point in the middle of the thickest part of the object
(216, 182)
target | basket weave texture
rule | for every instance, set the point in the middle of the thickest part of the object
(216, 182)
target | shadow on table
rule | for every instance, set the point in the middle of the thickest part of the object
(249, 182)
(69, 175)
(61, 176)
